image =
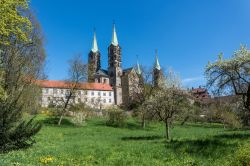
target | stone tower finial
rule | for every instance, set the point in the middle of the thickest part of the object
(138, 67)
(157, 64)
(94, 43)
(114, 37)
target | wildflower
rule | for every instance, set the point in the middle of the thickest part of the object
(46, 160)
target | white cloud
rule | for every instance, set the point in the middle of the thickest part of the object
(192, 79)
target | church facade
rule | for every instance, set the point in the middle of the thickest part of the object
(114, 75)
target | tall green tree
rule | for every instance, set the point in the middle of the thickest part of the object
(22, 62)
(14, 26)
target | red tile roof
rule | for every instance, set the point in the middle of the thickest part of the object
(65, 84)
(199, 90)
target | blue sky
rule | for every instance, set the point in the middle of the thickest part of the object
(187, 33)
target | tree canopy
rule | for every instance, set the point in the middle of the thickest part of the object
(232, 77)
(13, 22)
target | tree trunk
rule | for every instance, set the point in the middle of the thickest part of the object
(64, 108)
(167, 130)
(248, 106)
(143, 123)
(184, 121)
(246, 102)
(60, 120)
(224, 123)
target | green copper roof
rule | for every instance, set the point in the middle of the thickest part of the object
(114, 37)
(94, 44)
(157, 64)
(138, 69)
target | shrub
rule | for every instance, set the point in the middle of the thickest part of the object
(116, 117)
(15, 131)
(80, 112)
(224, 114)
(48, 111)
(242, 156)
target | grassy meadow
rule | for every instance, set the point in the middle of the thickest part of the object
(97, 144)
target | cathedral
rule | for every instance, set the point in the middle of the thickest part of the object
(105, 87)
(121, 80)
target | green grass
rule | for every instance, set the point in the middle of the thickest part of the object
(98, 144)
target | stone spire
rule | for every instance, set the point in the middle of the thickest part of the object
(114, 37)
(138, 68)
(157, 64)
(94, 44)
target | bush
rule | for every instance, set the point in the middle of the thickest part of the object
(48, 111)
(116, 117)
(224, 114)
(80, 113)
(242, 156)
(15, 131)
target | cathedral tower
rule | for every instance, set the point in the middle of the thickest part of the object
(114, 67)
(94, 63)
(157, 71)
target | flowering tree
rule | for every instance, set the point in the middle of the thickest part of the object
(232, 76)
(166, 102)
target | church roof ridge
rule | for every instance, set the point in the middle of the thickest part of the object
(66, 85)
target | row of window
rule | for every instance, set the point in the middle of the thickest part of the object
(63, 91)
(99, 93)
(93, 100)
(97, 100)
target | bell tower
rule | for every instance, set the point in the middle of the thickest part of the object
(94, 63)
(157, 71)
(114, 67)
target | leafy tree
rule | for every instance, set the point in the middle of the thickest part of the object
(232, 76)
(13, 25)
(22, 62)
(141, 89)
(192, 113)
(13, 22)
(167, 101)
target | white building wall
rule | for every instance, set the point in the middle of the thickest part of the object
(93, 98)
